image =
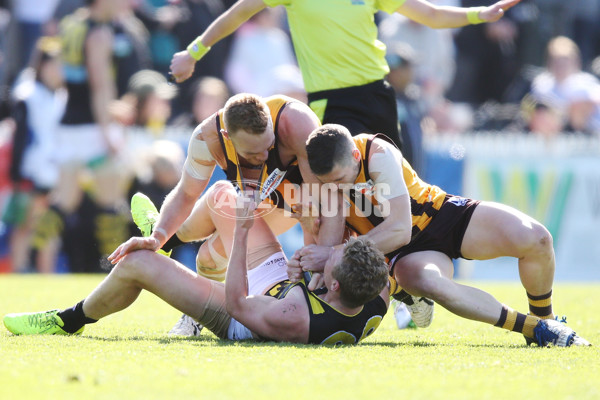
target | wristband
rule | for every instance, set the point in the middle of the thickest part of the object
(473, 15)
(197, 50)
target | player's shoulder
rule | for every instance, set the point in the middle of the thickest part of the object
(206, 129)
(296, 123)
(290, 313)
(381, 143)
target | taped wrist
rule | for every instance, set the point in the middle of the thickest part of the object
(197, 50)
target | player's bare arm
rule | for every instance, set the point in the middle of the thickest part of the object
(180, 201)
(285, 319)
(395, 230)
(438, 17)
(300, 121)
(182, 64)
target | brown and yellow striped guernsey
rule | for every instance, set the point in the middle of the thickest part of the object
(425, 199)
(273, 172)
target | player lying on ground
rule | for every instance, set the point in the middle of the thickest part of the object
(254, 303)
(421, 229)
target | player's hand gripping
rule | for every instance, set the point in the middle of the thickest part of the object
(133, 244)
(244, 212)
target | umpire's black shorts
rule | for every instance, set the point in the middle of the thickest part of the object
(369, 108)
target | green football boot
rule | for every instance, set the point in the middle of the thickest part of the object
(145, 214)
(39, 323)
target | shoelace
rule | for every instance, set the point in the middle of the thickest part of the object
(42, 320)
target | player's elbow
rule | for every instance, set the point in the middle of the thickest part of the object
(234, 307)
(401, 235)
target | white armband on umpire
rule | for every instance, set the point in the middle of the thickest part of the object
(198, 150)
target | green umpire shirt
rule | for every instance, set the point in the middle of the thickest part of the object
(336, 41)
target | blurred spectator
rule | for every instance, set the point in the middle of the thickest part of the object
(88, 201)
(539, 21)
(131, 51)
(248, 70)
(66, 7)
(4, 67)
(565, 86)
(30, 17)
(39, 105)
(401, 59)
(586, 29)
(288, 80)
(172, 24)
(434, 51)
(541, 118)
(147, 102)
(160, 16)
(208, 95)
(158, 171)
(199, 15)
(486, 59)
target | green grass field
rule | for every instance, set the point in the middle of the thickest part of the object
(128, 355)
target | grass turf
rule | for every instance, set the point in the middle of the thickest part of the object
(128, 355)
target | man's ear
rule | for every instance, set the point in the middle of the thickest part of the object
(335, 285)
(356, 154)
(225, 133)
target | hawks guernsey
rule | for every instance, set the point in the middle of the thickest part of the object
(364, 209)
(273, 175)
(330, 326)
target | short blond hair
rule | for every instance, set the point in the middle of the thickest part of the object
(246, 112)
(362, 273)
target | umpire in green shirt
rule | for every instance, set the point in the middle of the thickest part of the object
(342, 62)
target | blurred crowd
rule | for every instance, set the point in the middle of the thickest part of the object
(78, 138)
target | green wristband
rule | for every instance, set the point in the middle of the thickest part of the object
(197, 50)
(473, 15)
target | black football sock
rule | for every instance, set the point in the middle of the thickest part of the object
(74, 318)
(173, 242)
(517, 322)
(541, 306)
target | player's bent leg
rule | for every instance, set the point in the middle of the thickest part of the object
(168, 279)
(198, 225)
(428, 274)
(210, 261)
(497, 230)
(278, 222)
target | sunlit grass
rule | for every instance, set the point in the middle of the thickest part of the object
(128, 355)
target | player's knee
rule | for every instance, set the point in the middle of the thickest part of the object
(538, 241)
(221, 191)
(420, 282)
(132, 265)
(207, 267)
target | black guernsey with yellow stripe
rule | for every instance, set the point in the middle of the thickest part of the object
(425, 199)
(273, 170)
(328, 325)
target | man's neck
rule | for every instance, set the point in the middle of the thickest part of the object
(357, 170)
(333, 299)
